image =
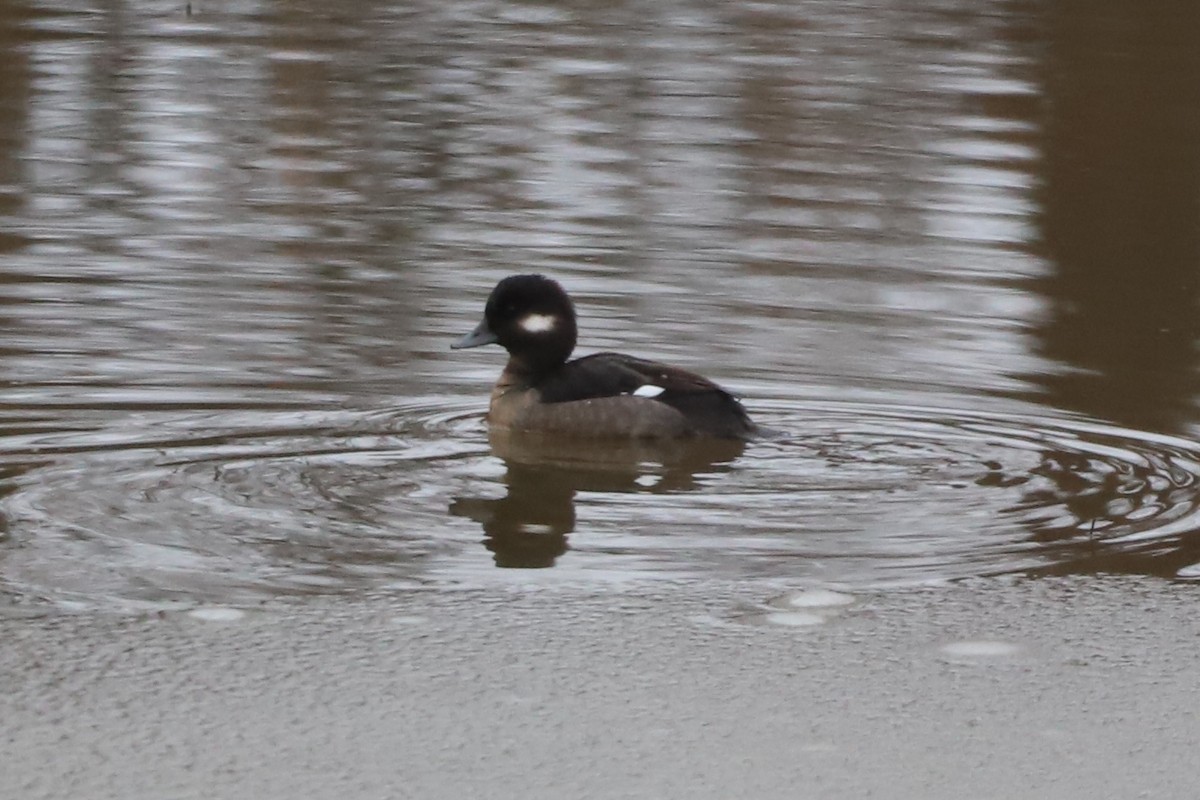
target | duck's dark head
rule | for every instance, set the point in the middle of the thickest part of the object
(532, 318)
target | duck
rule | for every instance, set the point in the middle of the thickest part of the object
(603, 395)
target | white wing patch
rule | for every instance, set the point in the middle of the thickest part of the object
(648, 390)
(538, 323)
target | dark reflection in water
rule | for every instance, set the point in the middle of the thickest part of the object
(1090, 512)
(1095, 556)
(1120, 227)
(1120, 217)
(14, 99)
(528, 527)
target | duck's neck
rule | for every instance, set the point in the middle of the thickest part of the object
(524, 370)
(513, 377)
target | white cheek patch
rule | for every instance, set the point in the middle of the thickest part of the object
(648, 390)
(538, 323)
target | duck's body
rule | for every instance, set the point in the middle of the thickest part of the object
(602, 395)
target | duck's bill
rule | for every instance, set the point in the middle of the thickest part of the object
(480, 336)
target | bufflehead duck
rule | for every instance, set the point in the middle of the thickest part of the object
(601, 395)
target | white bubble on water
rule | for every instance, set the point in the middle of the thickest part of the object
(216, 614)
(980, 649)
(794, 619)
(1189, 573)
(818, 598)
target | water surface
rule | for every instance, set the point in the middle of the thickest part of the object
(949, 249)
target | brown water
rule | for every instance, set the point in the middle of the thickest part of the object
(949, 248)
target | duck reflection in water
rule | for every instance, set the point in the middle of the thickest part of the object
(528, 527)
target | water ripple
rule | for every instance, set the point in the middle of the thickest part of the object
(263, 504)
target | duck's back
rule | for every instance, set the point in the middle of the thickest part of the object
(610, 394)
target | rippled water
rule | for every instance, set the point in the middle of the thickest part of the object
(241, 505)
(237, 243)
